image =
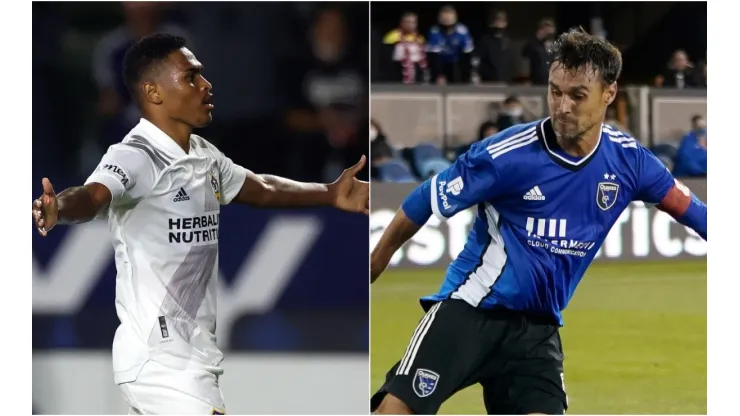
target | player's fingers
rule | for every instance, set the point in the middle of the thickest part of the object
(366, 211)
(358, 166)
(37, 203)
(48, 189)
(40, 223)
(42, 231)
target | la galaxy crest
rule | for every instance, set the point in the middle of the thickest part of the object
(606, 195)
(214, 183)
(425, 382)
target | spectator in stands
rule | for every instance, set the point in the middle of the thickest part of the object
(404, 50)
(691, 159)
(493, 50)
(512, 113)
(119, 113)
(537, 52)
(702, 78)
(680, 73)
(327, 116)
(380, 149)
(449, 49)
(487, 129)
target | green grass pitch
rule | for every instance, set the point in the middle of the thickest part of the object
(635, 337)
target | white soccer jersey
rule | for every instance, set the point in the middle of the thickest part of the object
(164, 220)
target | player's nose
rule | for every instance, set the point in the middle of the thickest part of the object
(566, 105)
(207, 86)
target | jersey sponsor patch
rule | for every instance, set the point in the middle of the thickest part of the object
(118, 171)
(425, 382)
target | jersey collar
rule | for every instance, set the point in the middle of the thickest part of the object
(546, 135)
(160, 138)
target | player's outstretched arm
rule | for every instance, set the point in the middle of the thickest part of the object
(347, 193)
(73, 205)
(656, 185)
(686, 208)
(400, 230)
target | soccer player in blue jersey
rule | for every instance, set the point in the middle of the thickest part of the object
(546, 195)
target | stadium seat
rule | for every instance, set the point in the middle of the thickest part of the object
(395, 171)
(428, 160)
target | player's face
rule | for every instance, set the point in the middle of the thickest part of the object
(186, 94)
(577, 100)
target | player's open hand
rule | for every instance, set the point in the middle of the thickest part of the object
(349, 193)
(45, 209)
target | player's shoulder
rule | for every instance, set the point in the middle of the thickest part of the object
(622, 142)
(202, 143)
(508, 147)
(515, 140)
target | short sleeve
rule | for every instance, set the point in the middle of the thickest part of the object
(654, 179)
(127, 172)
(232, 178)
(472, 179)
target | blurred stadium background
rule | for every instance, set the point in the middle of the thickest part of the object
(635, 333)
(291, 99)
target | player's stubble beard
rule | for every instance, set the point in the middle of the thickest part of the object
(572, 141)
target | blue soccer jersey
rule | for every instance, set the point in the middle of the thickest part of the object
(541, 214)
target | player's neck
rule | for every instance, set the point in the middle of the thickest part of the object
(177, 131)
(584, 146)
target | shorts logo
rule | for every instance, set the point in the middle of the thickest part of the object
(425, 382)
(606, 195)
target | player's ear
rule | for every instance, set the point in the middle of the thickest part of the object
(151, 93)
(610, 93)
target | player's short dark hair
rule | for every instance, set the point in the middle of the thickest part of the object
(146, 54)
(696, 118)
(576, 49)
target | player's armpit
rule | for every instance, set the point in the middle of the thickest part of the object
(685, 208)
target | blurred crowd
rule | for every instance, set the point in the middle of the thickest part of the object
(447, 52)
(450, 53)
(289, 82)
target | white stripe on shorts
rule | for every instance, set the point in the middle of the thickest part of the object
(413, 348)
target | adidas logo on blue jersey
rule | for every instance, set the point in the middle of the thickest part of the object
(181, 196)
(534, 194)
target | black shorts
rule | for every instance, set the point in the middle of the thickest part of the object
(518, 359)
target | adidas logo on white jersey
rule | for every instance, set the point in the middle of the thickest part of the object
(534, 194)
(181, 196)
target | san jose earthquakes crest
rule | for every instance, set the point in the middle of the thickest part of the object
(425, 381)
(606, 195)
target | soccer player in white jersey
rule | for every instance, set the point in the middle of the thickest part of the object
(160, 190)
